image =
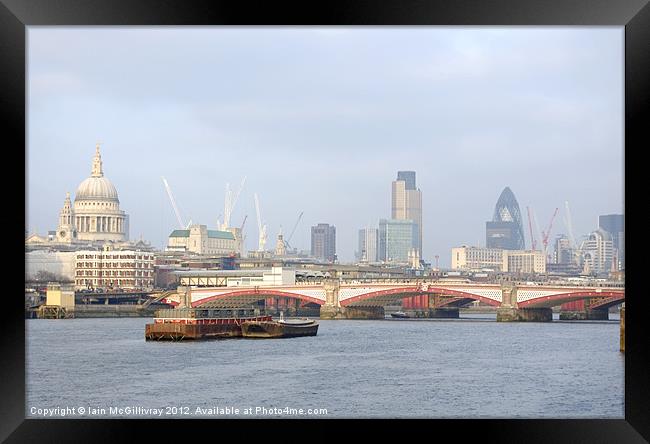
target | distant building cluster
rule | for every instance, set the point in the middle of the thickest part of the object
(398, 240)
(599, 253)
(88, 229)
(90, 247)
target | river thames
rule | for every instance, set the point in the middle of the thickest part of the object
(471, 367)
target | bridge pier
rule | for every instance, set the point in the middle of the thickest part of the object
(444, 313)
(332, 308)
(585, 315)
(185, 296)
(510, 312)
(351, 312)
(434, 313)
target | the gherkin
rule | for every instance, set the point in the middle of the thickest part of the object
(505, 230)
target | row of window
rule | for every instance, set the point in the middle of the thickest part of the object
(96, 204)
(113, 273)
(115, 256)
(119, 282)
(114, 265)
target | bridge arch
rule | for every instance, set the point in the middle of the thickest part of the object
(613, 297)
(395, 294)
(610, 302)
(254, 294)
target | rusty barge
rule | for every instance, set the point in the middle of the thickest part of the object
(195, 324)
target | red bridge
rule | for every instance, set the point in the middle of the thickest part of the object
(351, 299)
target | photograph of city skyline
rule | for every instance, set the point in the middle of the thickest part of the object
(419, 212)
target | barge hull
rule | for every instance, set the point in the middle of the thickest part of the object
(179, 332)
(276, 330)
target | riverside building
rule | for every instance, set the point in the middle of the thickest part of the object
(108, 268)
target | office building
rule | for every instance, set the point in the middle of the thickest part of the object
(614, 224)
(476, 258)
(564, 252)
(598, 253)
(396, 240)
(406, 204)
(496, 259)
(524, 261)
(323, 242)
(368, 244)
(505, 230)
(108, 268)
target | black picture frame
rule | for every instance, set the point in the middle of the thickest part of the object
(634, 15)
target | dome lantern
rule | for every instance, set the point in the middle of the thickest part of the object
(97, 163)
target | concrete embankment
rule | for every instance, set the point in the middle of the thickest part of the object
(113, 311)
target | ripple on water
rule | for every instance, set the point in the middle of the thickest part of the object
(430, 369)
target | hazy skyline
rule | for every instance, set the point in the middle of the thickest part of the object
(320, 120)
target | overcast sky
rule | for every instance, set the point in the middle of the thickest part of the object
(321, 119)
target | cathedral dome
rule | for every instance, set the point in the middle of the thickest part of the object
(96, 188)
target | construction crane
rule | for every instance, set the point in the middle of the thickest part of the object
(286, 242)
(229, 203)
(539, 232)
(241, 233)
(171, 198)
(547, 233)
(261, 228)
(569, 227)
(533, 243)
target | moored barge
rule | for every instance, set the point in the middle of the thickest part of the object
(279, 329)
(192, 324)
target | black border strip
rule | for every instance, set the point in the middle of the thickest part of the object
(334, 12)
(15, 15)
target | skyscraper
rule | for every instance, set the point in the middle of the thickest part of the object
(408, 177)
(368, 239)
(506, 229)
(406, 204)
(598, 252)
(614, 224)
(396, 239)
(564, 253)
(323, 242)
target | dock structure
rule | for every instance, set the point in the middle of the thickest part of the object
(623, 328)
(59, 302)
(54, 312)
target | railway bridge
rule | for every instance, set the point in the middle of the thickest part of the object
(338, 299)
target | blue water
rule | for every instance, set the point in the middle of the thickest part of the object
(464, 368)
